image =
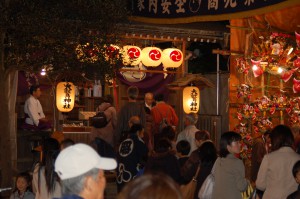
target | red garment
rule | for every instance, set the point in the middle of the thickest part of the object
(160, 111)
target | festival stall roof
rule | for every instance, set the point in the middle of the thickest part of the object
(201, 31)
(195, 79)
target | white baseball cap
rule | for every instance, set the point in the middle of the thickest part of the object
(77, 159)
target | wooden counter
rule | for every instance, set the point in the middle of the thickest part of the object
(78, 134)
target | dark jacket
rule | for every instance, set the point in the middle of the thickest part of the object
(166, 163)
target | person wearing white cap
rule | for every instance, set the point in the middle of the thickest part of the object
(81, 171)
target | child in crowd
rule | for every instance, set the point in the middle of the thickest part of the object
(296, 174)
(22, 187)
(183, 148)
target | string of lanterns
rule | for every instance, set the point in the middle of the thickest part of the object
(132, 55)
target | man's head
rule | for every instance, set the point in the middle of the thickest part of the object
(159, 97)
(134, 120)
(35, 91)
(191, 119)
(80, 169)
(149, 99)
(132, 92)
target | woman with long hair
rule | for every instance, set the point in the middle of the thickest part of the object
(45, 182)
(275, 173)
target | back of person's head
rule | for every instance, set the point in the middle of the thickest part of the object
(168, 132)
(192, 118)
(135, 128)
(151, 186)
(50, 146)
(281, 136)
(108, 99)
(226, 139)
(159, 97)
(207, 153)
(163, 145)
(66, 143)
(33, 88)
(296, 168)
(133, 92)
(134, 120)
(202, 135)
(25, 176)
(183, 147)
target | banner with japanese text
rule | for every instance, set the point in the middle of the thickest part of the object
(187, 11)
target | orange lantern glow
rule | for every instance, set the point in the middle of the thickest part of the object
(65, 96)
(172, 58)
(191, 99)
(132, 55)
(151, 56)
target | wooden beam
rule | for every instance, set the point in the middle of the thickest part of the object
(150, 71)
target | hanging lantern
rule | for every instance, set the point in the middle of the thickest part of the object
(191, 99)
(151, 56)
(132, 55)
(65, 96)
(172, 58)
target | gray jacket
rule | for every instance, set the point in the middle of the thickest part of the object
(230, 178)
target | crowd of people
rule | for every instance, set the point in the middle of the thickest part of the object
(152, 160)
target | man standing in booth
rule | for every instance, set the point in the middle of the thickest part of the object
(35, 117)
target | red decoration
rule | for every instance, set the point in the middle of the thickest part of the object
(175, 56)
(133, 53)
(296, 85)
(155, 55)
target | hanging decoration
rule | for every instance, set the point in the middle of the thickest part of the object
(191, 99)
(244, 90)
(132, 55)
(87, 52)
(65, 96)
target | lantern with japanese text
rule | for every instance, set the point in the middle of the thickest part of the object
(132, 55)
(191, 99)
(151, 56)
(65, 96)
(172, 58)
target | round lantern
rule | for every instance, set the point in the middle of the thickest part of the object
(172, 58)
(132, 55)
(151, 56)
(191, 99)
(65, 96)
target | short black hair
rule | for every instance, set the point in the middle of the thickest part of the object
(163, 145)
(226, 139)
(296, 168)
(159, 97)
(183, 147)
(33, 88)
(135, 128)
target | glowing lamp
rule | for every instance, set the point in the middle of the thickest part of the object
(172, 58)
(151, 56)
(65, 96)
(132, 55)
(191, 99)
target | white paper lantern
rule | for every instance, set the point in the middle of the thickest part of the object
(132, 55)
(151, 56)
(65, 96)
(172, 58)
(191, 99)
